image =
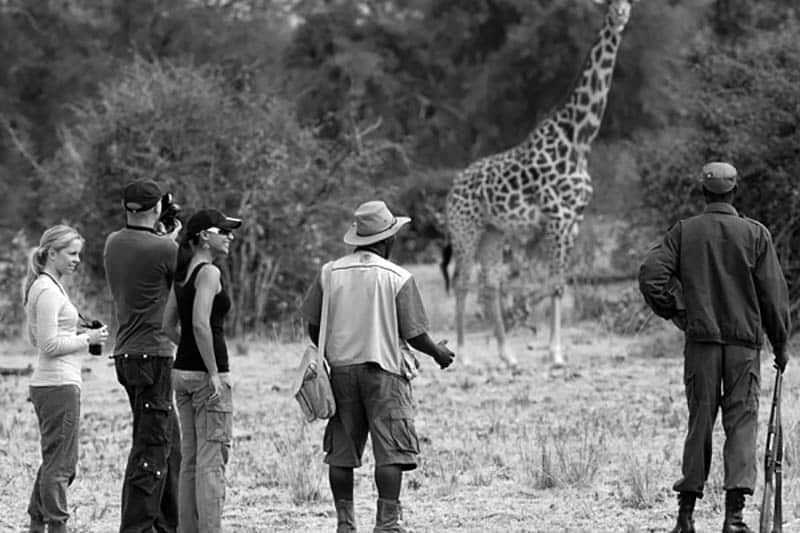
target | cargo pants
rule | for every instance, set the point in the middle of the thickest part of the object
(206, 435)
(150, 488)
(728, 377)
(58, 410)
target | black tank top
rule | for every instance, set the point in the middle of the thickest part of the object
(188, 356)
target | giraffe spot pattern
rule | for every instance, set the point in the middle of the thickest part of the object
(595, 82)
(544, 178)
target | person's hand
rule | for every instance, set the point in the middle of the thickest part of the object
(216, 388)
(444, 356)
(781, 358)
(680, 319)
(97, 336)
(311, 371)
(175, 232)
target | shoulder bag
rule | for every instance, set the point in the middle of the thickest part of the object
(312, 383)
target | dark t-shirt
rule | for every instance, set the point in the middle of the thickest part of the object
(188, 356)
(140, 267)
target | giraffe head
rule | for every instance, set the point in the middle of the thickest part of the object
(619, 11)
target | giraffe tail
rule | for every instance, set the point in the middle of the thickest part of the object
(447, 254)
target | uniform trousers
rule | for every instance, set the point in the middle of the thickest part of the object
(721, 376)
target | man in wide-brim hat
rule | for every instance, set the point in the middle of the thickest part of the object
(375, 312)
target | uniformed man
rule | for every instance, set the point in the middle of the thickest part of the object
(717, 276)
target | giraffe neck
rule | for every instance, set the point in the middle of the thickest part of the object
(586, 103)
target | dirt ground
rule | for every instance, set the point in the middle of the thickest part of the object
(595, 448)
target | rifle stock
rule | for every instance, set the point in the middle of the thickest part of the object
(771, 520)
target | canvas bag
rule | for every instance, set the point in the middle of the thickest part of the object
(314, 394)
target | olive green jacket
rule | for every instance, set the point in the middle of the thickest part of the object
(726, 270)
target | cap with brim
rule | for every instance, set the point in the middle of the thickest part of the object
(141, 195)
(373, 223)
(210, 218)
(718, 177)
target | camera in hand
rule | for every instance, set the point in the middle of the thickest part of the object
(170, 212)
(94, 349)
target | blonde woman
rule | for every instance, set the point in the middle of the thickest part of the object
(55, 387)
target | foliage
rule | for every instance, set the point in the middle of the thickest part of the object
(56, 54)
(745, 109)
(423, 199)
(379, 96)
(438, 72)
(13, 269)
(181, 127)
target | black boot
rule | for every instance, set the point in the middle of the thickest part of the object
(734, 504)
(388, 517)
(685, 523)
(345, 516)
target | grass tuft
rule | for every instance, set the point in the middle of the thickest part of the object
(300, 469)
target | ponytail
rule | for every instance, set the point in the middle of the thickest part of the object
(186, 246)
(37, 259)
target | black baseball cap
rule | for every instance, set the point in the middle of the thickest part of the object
(141, 195)
(210, 218)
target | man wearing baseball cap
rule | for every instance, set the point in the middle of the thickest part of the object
(375, 312)
(717, 276)
(140, 266)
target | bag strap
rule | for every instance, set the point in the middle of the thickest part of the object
(324, 280)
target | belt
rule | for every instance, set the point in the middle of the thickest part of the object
(138, 355)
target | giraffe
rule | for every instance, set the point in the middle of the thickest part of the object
(540, 185)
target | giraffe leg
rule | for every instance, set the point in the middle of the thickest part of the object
(495, 309)
(490, 257)
(461, 299)
(461, 278)
(561, 233)
(556, 349)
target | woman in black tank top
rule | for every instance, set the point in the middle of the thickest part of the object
(194, 319)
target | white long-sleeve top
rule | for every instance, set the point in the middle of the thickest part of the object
(52, 329)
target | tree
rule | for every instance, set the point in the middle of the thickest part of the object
(745, 108)
(183, 127)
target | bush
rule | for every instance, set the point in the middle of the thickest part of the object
(243, 154)
(13, 269)
(746, 109)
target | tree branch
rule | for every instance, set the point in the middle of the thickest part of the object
(20, 147)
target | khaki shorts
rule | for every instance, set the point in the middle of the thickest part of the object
(370, 400)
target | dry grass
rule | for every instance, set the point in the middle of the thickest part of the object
(594, 450)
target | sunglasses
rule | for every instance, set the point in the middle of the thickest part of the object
(219, 231)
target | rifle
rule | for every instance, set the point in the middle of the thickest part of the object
(772, 512)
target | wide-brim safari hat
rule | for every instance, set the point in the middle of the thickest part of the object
(373, 223)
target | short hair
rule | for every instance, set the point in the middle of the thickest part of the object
(713, 197)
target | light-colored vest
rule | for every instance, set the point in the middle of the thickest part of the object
(362, 314)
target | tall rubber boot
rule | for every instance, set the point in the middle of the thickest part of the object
(345, 516)
(57, 527)
(734, 504)
(388, 517)
(685, 522)
(36, 526)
